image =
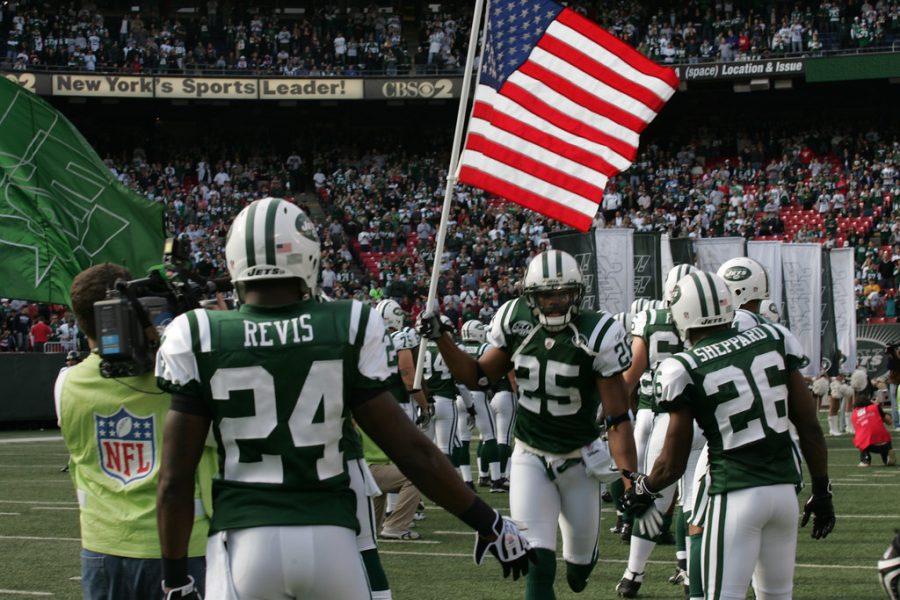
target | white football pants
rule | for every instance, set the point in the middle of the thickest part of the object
(484, 418)
(643, 425)
(503, 405)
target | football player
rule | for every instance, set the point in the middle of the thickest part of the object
(277, 381)
(442, 396)
(752, 379)
(402, 360)
(503, 405)
(567, 361)
(473, 336)
(653, 340)
(749, 285)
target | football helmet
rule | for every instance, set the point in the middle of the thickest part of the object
(448, 325)
(672, 277)
(746, 278)
(700, 300)
(554, 271)
(889, 569)
(391, 312)
(769, 310)
(272, 239)
(474, 331)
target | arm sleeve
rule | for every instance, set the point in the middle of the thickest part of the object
(57, 395)
(673, 381)
(372, 365)
(498, 330)
(793, 351)
(614, 354)
(176, 364)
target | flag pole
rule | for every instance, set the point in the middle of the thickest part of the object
(451, 178)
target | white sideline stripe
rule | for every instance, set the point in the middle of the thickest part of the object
(10, 514)
(387, 541)
(44, 466)
(35, 538)
(24, 593)
(29, 440)
(614, 561)
(76, 578)
(848, 483)
(54, 508)
(63, 480)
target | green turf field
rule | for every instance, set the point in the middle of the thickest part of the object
(39, 537)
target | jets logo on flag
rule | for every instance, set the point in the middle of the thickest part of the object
(126, 444)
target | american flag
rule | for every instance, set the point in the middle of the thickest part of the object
(558, 110)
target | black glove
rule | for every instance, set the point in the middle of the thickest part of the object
(430, 326)
(509, 547)
(639, 501)
(423, 417)
(821, 507)
(185, 592)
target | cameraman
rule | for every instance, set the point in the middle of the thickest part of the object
(893, 377)
(113, 431)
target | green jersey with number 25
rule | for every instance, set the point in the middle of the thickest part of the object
(277, 384)
(735, 385)
(557, 373)
(657, 330)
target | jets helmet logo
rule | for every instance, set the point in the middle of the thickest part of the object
(126, 444)
(736, 274)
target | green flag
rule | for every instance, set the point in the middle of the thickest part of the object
(61, 210)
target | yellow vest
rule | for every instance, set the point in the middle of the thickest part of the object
(113, 430)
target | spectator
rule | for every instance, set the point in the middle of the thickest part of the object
(40, 334)
(871, 435)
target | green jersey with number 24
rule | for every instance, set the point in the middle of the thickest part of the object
(735, 385)
(557, 373)
(277, 384)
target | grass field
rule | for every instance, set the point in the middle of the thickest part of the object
(39, 537)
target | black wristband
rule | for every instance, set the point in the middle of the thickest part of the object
(821, 486)
(480, 517)
(175, 572)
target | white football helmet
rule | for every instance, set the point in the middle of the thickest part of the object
(448, 324)
(672, 277)
(889, 570)
(272, 239)
(391, 312)
(553, 271)
(700, 300)
(746, 278)
(474, 331)
(769, 310)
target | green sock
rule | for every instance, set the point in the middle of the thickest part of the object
(680, 531)
(666, 523)
(504, 452)
(577, 575)
(617, 490)
(695, 564)
(489, 453)
(541, 573)
(377, 579)
(462, 454)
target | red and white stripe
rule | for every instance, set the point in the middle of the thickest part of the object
(565, 121)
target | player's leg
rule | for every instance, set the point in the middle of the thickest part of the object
(534, 501)
(445, 424)
(774, 575)
(399, 524)
(487, 428)
(731, 542)
(643, 426)
(579, 523)
(503, 405)
(461, 454)
(833, 416)
(686, 498)
(698, 502)
(363, 484)
(641, 545)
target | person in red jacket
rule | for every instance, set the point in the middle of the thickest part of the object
(871, 434)
(40, 334)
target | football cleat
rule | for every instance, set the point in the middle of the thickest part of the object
(626, 533)
(679, 577)
(484, 481)
(891, 458)
(617, 528)
(606, 496)
(500, 486)
(392, 534)
(419, 516)
(629, 584)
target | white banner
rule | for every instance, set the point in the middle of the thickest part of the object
(615, 269)
(768, 254)
(712, 252)
(802, 264)
(666, 263)
(842, 268)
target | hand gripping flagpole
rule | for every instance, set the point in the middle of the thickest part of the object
(451, 179)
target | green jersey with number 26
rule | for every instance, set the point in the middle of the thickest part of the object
(277, 383)
(735, 385)
(557, 373)
(657, 330)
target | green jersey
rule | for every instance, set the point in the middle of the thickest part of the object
(735, 385)
(557, 373)
(437, 374)
(657, 329)
(277, 384)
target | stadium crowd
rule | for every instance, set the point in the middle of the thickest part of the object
(362, 39)
(378, 212)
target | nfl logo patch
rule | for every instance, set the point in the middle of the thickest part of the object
(127, 445)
